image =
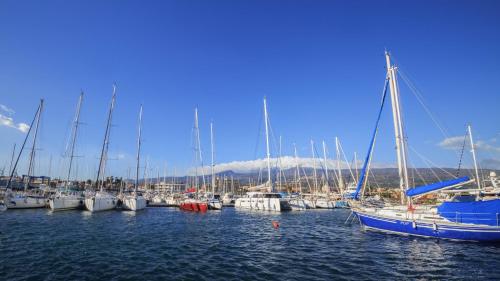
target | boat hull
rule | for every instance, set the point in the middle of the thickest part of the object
(194, 206)
(261, 204)
(324, 204)
(454, 231)
(134, 203)
(214, 205)
(25, 202)
(66, 203)
(96, 204)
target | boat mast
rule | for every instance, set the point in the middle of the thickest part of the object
(473, 150)
(33, 148)
(138, 151)
(398, 128)
(314, 168)
(12, 158)
(356, 165)
(339, 168)
(326, 166)
(267, 147)
(280, 171)
(198, 150)
(73, 141)
(213, 155)
(297, 167)
(104, 151)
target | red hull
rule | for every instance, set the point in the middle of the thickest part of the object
(194, 206)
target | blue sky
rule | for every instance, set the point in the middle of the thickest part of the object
(321, 65)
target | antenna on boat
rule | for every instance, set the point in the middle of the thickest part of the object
(268, 155)
(473, 150)
(398, 128)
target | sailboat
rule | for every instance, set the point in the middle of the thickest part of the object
(214, 200)
(101, 200)
(29, 197)
(136, 201)
(264, 197)
(297, 203)
(67, 198)
(193, 202)
(323, 200)
(471, 218)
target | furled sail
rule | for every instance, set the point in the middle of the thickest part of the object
(436, 186)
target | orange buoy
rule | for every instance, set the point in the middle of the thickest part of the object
(276, 224)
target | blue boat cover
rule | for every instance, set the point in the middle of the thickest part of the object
(476, 212)
(435, 186)
(362, 176)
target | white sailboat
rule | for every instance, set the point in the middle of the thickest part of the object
(136, 201)
(263, 197)
(69, 198)
(101, 200)
(214, 200)
(27, 198)
(297, 203)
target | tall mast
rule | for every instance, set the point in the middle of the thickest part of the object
(280, 171)
(213, 155)
(105, 144)
(139, 134)
(12, 158)
(297, 167)
(33, 149)
(76, 122)
(198, 149)
(326, 165)
(356, 166)
(314, 168)
(268, 154)
(339, 168)
(473, 150)
(398, 128)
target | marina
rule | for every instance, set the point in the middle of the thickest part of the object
(246, 140)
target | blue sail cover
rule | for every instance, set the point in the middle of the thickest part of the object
(435, 186)
(475, 212)
(362, 176)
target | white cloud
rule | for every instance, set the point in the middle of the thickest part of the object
(9, 122)
(456, 143)
(287, 162)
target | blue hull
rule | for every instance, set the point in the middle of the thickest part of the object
(444, 231)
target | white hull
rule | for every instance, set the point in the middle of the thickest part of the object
(297, 204)
(66, 203)
(322, 203)
(261, 204)
(310, 204)
(100, 202)
(25, 202)
(134, 203)
(215, 204)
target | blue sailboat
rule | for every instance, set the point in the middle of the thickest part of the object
(471, 217)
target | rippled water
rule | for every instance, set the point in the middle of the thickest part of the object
(166, 243)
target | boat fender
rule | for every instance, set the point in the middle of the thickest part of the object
(276, 224)
(26, 200)
(434, 226)
(414, 224)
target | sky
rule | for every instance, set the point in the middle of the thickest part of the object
(320, 64)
